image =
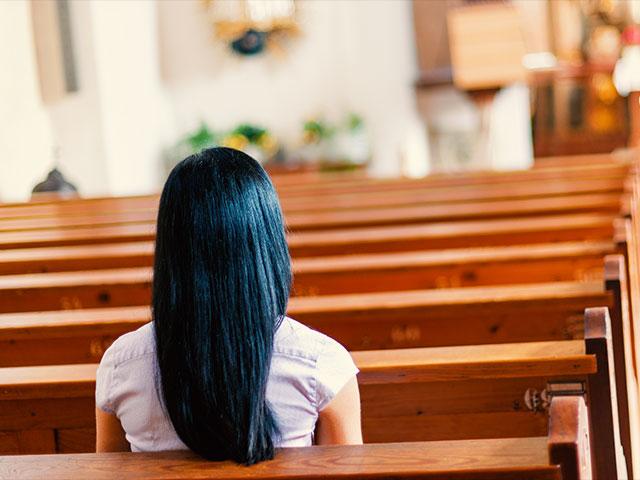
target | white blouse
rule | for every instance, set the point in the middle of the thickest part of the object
(308, 369)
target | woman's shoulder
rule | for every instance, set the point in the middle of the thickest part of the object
(118, 374)
(298, 340)
(324, 360)
(130, 346)
(303, 343)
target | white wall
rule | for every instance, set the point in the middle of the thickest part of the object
(25, 131)
(131, 102)
(353, 55)
(205, 82)
(76, 124)
(379, 69)
(151, 71)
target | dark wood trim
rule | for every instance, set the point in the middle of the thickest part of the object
(616, 283)
(435, 77)
(607, 452)
(569, 442)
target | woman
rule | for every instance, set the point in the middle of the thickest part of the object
(221, 370)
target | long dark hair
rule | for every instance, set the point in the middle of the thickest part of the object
(222, 276)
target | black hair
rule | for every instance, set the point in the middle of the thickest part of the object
(222, 276)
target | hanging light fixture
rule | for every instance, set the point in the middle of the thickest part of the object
(253, 27)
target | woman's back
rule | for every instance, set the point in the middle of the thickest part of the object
(222, 370)
(307, 370)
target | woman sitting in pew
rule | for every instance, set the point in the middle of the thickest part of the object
(221, 370)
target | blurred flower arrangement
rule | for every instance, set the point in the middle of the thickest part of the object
(254, 140)
(342, 145)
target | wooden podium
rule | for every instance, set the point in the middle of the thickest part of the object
(487, 46)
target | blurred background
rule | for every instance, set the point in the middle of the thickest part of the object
(113, 93)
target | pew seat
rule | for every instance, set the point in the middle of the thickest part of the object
(364, 199)
(359, 217)
(565, 261)
(345, 184)
(440, 195)
(561, 456)
(312, 276)
(454, 316)
(427, 394)
(439, 235)
(424, 393)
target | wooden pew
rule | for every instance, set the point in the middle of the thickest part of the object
(84, 335)
(358, 217)
(450, 180)
(405, 319)
(450, 195)
(567, 261)
(367, 199)
(563, 455)
(461, 234)
(417, 214)
(347, 185)
(627, 240)
(503, 232)
(616, 282)
(427, 394)
(412, 270)
(76, 258)
(96, 287)
(630, 244)
(418, 310)
(624, 156)
(398, 320)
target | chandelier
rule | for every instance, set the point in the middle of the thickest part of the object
(253, 27)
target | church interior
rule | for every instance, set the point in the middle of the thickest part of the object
(460, 187)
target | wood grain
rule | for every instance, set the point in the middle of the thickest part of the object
(465, 316)
(470, 459)
(427, 394)
(357, 217)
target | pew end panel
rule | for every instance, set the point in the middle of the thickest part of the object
(608, 456)
(569, 441)
(622, 337)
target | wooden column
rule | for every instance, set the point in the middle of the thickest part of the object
(634, 119)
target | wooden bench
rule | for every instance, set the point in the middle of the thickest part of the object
(358, 321)
(344, 185)
(471, 315)
(620, 170)
(502, 232)
(427, 394)
(627, 239)
(357, 217)
(96, 286)
(414, 214)
(458, 194)
(406, 297)
(563, 455)
(405, 319)
(366, 199)
(463, 234)
(624, 156)
(326, 275)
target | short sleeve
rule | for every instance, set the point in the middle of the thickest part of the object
(104, 383)
(334, 368)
